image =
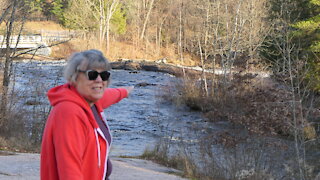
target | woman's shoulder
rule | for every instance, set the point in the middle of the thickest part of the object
(68, 114)
(68, 108)
(68, 105)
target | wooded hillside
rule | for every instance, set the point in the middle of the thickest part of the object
(213, 31)
(240, 37)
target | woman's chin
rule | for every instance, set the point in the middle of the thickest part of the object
(93, 99)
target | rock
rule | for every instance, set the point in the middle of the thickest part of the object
(150, 67)
(154, 66)
(145, 84)
(130, 65)
(163, 60)
(117, 65)
(244, 174)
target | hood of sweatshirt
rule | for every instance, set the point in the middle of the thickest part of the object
(67, 92)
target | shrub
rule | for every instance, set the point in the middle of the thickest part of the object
(263, 106)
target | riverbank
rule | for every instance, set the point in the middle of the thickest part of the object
(260, 107)
(19, 166)
(136, 127)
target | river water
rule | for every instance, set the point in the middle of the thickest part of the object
(138, 122)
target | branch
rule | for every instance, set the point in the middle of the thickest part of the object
(5, 13)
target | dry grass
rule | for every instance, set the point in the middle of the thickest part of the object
(262, 107)
(18, 134)
(35, 26)
(43, 25)
(134, 49)
(161, 155)
(118, 49)
(121, 50)
(130, 51)
(233, 163)
(62, 51)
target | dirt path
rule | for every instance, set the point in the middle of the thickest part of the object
(26, 166)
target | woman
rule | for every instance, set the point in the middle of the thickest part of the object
(76, 140)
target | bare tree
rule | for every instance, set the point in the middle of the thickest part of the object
(293, 69)
(110, 11)
(146, 20)
(91, 14)
(164, 9)
(8, 63)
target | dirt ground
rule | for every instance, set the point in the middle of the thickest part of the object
(25, 166)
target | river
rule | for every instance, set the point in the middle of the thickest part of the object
(138, 122)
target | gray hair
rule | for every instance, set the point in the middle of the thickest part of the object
(85, 60)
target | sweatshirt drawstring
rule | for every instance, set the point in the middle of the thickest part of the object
(96, 131)
(98, 147)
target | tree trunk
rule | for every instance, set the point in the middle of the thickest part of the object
(180, 34)
(203, 74)
(146, 20)
(7, 68)
(3, 16)
(110, 12)
(159, 44)
(101, 25)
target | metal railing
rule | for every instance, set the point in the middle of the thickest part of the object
(25, 41)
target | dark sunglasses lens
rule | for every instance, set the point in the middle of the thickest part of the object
(105, 75)
(92, 75)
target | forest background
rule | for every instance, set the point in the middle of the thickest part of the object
(280, 37)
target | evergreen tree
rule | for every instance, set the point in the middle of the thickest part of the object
(282, 15)
(118, 20)
(57, 8)
(296, 24)
(309, 29)
(34, 5)
(307, 32)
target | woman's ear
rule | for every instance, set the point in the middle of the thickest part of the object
(73, 80)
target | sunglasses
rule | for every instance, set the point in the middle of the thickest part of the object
(93, 75)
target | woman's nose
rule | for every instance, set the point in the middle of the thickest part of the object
(99, 79)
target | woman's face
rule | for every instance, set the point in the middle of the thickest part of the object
(91, 90)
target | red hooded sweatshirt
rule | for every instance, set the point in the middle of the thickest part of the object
(73, 145)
